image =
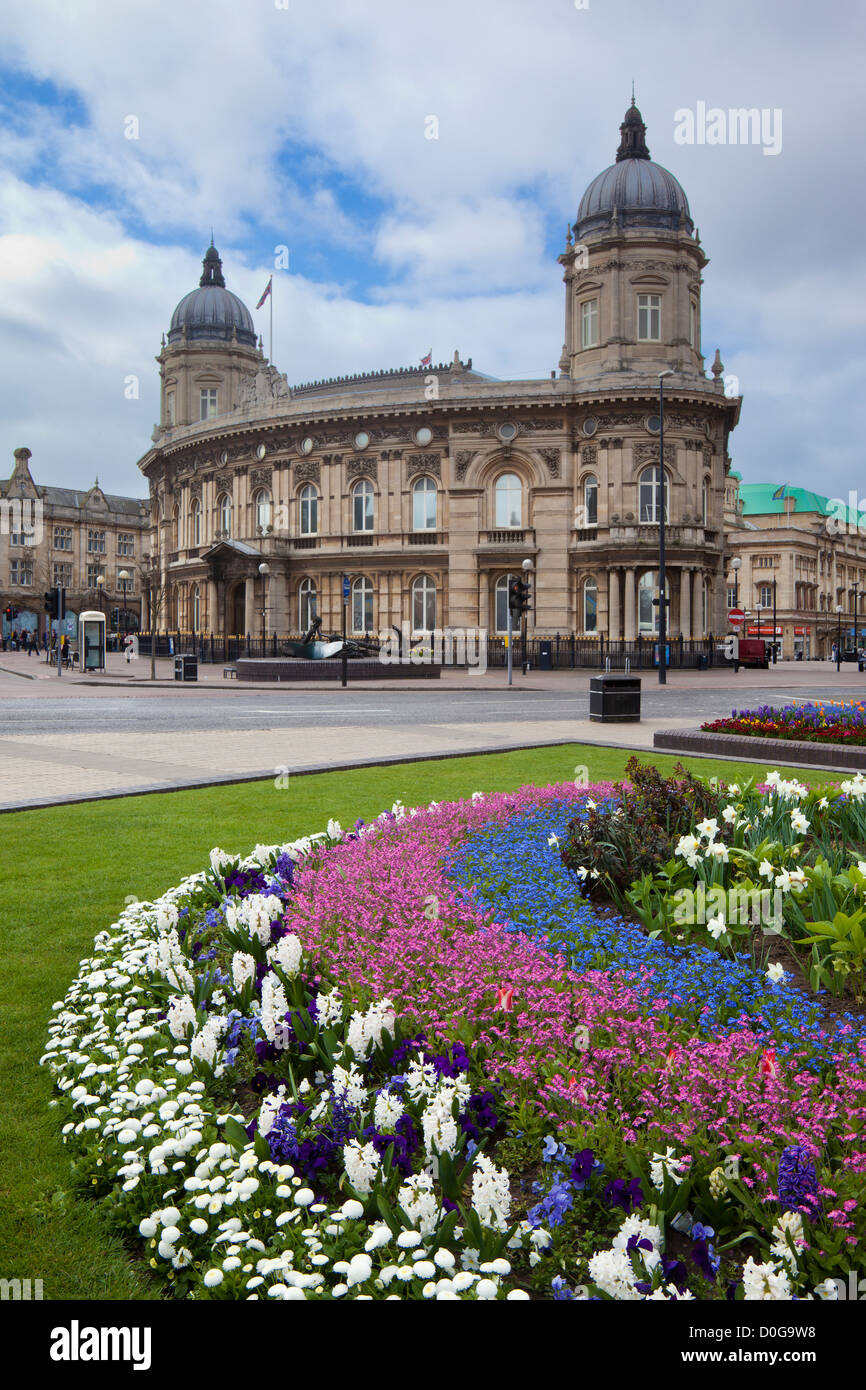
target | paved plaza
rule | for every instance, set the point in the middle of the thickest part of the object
(77, 737)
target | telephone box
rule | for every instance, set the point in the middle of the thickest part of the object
(91, 641)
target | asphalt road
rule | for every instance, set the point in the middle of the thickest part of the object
(247, 709)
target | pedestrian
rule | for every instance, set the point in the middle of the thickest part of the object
(28, 642)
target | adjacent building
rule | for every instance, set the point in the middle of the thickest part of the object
(90, 543)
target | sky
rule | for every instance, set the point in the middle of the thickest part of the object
(128, 131)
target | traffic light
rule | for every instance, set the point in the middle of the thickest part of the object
(61, 603)
(51, 602)
(8, 614)
(518, 597)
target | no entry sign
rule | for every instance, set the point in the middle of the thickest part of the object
(736, 616)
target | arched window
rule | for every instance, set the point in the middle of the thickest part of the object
(362, 604)
(501, 594)
(705, 501)
(195, 608)
(649, 499)
(175, 527)
(648, 612)
(362, 508)
(195, 522)
(224, 514)
(262, 505)
(423, 604)
(309, 498)
(424, 505)
(307, 600)
(590, 605)
(509, 500)
(590, 499)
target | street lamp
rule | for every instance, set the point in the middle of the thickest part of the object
(735, 566)
(838, 638)
(774, 623)
(856, 586)
(663, 610)
(264, 571)
(100, 589)
(527, 570)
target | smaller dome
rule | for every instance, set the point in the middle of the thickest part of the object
(212, 311)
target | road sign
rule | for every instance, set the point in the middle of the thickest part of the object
(346, 588)
(736, 616)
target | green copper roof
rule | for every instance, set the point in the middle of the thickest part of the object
(760, 499)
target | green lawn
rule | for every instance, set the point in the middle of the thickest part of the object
(67, 872)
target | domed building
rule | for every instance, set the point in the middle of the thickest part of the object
(430, 486)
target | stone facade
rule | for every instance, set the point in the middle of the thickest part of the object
(57, 535)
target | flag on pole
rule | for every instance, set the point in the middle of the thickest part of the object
(426, 361)
(266, 293)
(780, 493)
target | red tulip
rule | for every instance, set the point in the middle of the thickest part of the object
(505, 998)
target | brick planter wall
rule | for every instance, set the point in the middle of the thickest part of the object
(285, 669)
(769, 750)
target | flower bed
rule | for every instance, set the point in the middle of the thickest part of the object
(411, 1061)
(822, 722)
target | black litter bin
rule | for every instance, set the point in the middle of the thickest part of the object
(614, 698)
(703, 662)
(186, 668)
(545, 656)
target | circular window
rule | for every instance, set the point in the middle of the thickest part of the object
(361, 440)
(653, 424)
(224, 457)
(306, 445)
(423, 435)
(507, 433)
(261, 451)
(590, 425)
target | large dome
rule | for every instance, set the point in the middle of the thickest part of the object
(640, 192)
(212, 311)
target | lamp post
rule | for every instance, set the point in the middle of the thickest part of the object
(151, 574)
(100, 590)
(856, 586)
(774, 622)
(527, 568)
(663, 608)
(838, 638)
(264, 571)
(735, 566)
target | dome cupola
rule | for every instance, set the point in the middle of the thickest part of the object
(212, 312)
(634, 191)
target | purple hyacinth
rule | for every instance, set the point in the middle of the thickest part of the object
(798, 1181)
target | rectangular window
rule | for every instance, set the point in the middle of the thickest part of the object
(96, 542)
(169, 408)
(208, 398)
(63, 538)
(589, 323)
(649, 318)
(732, 597)
(62, 575)
(125, 586)
(21, 573)
(693, 324)
(93, 573)
(125, 543)
(766, 596)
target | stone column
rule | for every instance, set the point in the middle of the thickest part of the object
(630, 627)
(697, 603)
(613, 622)
(251, 626)
(685, 604)
(483, 601)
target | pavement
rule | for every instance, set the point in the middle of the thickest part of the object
(82, 736)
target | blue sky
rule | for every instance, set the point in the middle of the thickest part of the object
(305, 126)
